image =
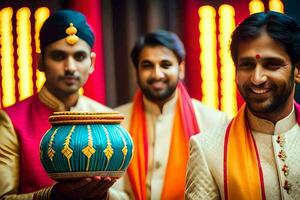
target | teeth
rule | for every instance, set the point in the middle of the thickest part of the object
(259, 91)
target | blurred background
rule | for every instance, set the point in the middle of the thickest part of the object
(204, 27)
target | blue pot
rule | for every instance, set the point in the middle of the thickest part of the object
(82, 144)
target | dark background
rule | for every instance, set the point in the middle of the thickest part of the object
(124, 20)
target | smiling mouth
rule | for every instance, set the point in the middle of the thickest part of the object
(260, 91)
(157, 84)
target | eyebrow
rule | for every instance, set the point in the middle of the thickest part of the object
(274, 59)
(264, 59)
(66, 52)
(146, 61)
(246, 59)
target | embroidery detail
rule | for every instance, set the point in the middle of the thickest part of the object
(287, 186)
(67, 151)
(285, 170)
(124, 149)
(89, 150)
(282, 155)
(108, 151)
(280, 141)
(51, 151)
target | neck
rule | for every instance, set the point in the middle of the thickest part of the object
(275, 115)
(68, 99)
(161, 103)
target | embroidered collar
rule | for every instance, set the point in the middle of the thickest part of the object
(51, 101)
(266, 126)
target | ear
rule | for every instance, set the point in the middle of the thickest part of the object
(182, 70)
(40, 63)
(93, 60)
(297, 73)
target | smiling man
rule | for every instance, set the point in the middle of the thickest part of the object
(161, 119)
(67, 60)
(256, 155)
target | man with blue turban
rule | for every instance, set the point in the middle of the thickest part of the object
(66, 58)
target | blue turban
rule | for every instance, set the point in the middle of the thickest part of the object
(55, 27)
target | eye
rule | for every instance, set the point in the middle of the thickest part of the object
(166, 64)
(57, 55)
(246, 65)
(146, 64)
(274, 65)
(80, 56)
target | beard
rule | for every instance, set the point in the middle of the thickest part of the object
(273, 104)
(158, 96)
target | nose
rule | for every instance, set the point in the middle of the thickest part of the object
(70, 64)
(259, 75)
(157, 72)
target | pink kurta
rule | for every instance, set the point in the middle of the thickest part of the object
(32, 173)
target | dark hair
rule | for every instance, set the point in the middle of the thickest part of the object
(157, 38)
(281, 27)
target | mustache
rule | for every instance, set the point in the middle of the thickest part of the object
(153, 80)
(69, 74)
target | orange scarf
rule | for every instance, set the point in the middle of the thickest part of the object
(184, 122)
(243, 178)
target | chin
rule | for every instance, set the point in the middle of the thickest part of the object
(71, 91)
(262, 107)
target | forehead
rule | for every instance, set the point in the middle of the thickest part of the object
(264, 46)
(157, 53)
(62, 45)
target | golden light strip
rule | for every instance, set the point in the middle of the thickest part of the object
(7, 57)
(41, 14)
(227, 70)
(276, 5)
(208, 57)
(256, 6)
(24, 50)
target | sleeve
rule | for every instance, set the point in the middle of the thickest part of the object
(199, 180)
(9, 164)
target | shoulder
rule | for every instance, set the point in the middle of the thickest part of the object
(199, 106)
(5, 120)
(208, 117)
(19, 106)
(210, 139)
(125, 108)
(89, 104)
(8, 135)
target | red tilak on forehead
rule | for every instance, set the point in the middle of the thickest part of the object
(257, 56)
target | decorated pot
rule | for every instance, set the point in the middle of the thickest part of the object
(82, 144)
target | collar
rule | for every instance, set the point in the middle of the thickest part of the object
(265, 126)
(153, 108)
(50, 100)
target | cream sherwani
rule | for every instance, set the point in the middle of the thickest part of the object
(160, 124)
(205, 167)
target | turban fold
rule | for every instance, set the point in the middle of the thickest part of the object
(55, 27)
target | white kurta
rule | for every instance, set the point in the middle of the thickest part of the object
(160, 126)
(205, 166)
